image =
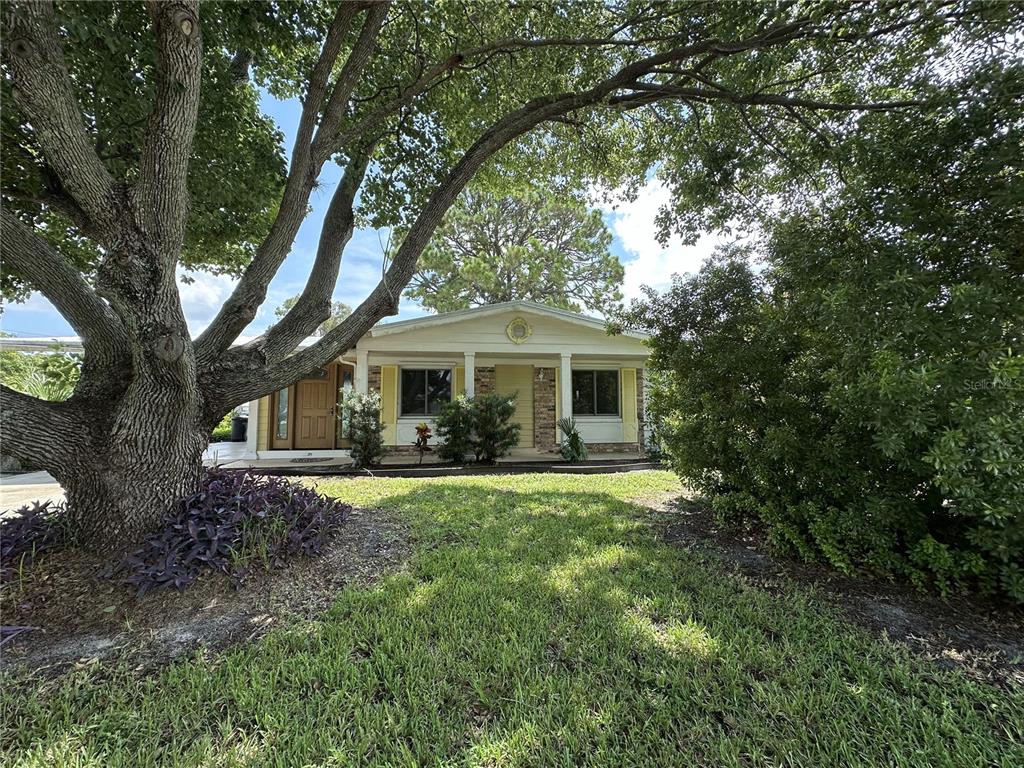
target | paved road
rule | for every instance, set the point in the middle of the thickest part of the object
(18, 490)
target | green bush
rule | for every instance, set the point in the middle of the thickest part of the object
(455, 429)
(573, 447)
(47, 375)
(222, 432)
(862, 393)
(494, 432)
(367, 432)
(481, 425)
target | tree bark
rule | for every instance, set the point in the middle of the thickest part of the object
(143, 465)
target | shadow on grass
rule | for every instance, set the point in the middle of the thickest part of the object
(542, 627)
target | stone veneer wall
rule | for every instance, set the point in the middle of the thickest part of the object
(373, 378)
(483, 380)
(613, 447)
(544, 409)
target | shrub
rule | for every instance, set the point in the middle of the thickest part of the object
(235, 523)
(28, 532)
(455, 429)
(365, 427)
(573, 447)
(222, 432)
(494, 432)
(481, 425)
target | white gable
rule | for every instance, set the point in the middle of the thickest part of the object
(486, 330)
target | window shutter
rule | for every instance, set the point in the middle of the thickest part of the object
(629, 420)
(389, 402)
(460, 381)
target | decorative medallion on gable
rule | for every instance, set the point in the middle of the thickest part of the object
(518, 331)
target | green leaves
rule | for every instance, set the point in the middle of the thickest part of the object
(541, 245)
(864, 393)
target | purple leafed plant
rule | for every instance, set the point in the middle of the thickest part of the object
(235, 523)
(27, 533)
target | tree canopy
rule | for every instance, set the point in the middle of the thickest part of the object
(133, 145)
(542, 246)
(863, 392)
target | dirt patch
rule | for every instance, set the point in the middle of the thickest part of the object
(77, 616)
(984, 639)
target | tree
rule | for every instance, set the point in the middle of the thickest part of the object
(413, 100)
(863, 393)
(543, 247)
(339, 311)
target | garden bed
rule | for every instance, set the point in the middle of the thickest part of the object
(984, 639)
(78, 616)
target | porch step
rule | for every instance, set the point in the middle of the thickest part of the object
(591, 467)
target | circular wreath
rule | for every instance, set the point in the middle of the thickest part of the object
(518, 331)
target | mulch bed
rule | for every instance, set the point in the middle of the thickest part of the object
(984, 639)
(78, 617)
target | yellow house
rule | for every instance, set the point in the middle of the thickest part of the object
(556, 362)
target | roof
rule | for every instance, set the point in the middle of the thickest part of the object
(74, 344)
(528, 307)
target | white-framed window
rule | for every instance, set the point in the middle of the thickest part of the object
(423, 391)
(281, 420)
(595, 393)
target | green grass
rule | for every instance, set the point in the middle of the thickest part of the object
(538, 623)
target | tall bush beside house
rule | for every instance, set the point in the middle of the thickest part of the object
(455, 429)
(494, 432)
(863, 393)
(366, 429)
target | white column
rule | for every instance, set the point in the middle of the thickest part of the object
(362, 382)
(252, 428)
(470, 374)
(565, 382)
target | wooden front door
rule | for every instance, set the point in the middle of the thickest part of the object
(314, 412)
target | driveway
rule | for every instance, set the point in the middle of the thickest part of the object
(18, 490)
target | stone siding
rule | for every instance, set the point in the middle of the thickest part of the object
(544, 409)
(613, 448)
(373, 378)
(483, 380)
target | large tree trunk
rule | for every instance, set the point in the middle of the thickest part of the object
(145, 456)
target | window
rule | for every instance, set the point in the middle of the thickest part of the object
(424, 391)
(282, 414)
(595, 393)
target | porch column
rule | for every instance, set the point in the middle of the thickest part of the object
(252, 429)
(565, 385)
(362, 381)
(470, 374)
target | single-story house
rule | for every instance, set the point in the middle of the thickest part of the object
(556, 362)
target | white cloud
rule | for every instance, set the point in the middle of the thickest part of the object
(647, 262)
(203, 297)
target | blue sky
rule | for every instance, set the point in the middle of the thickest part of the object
(631, 224)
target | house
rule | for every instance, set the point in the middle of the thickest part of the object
(556, 362)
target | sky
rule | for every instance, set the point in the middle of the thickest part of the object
(631, 223)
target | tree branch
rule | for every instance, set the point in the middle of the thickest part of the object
(161, 194)
(325, 142)
(38, 431)
(313, 306)
(240, 308)
(42, 88)
(237, 383)
(30, 257)
(645, 93)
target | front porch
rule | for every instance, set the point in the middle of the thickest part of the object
(235, 456)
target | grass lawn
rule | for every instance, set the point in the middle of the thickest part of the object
(538, 623)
